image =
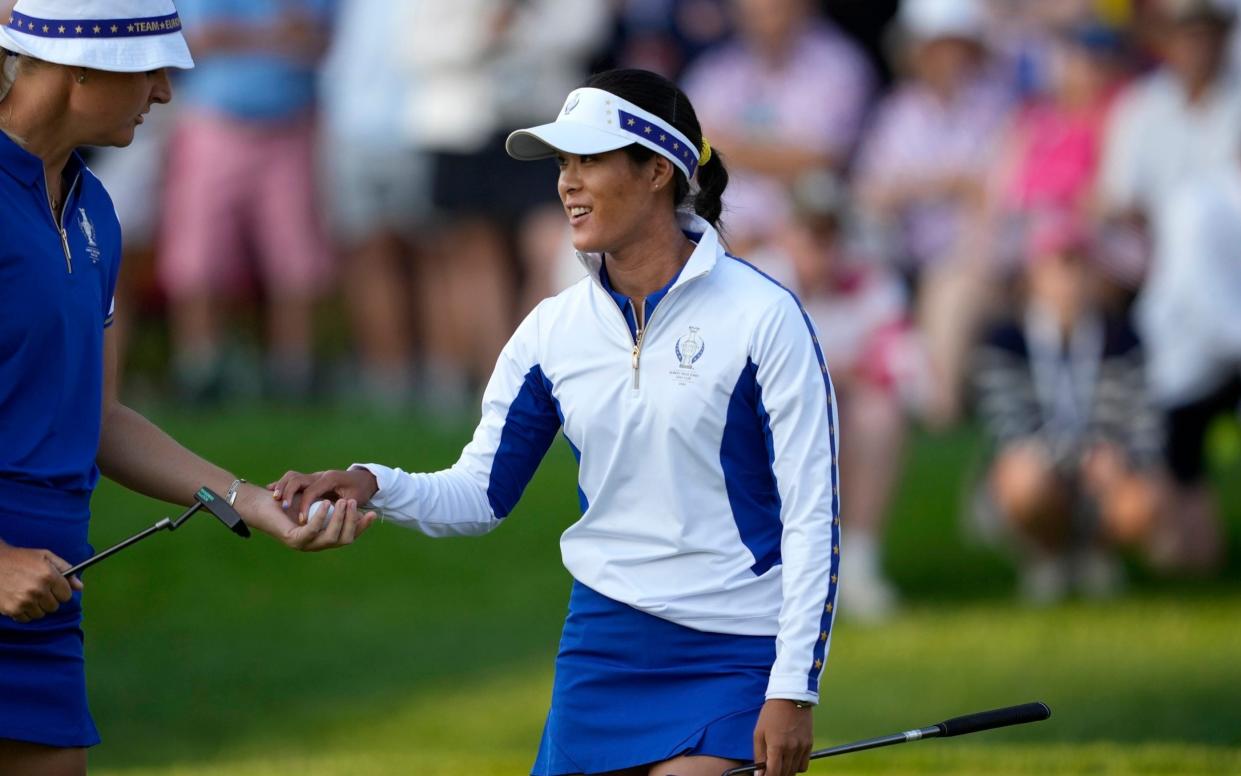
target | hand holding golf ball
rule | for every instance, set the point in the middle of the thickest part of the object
(315, 509)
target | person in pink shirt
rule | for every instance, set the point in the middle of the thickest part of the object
(1053, 146)
(786, 96)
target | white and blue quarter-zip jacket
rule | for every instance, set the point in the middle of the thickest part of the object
(706, 442)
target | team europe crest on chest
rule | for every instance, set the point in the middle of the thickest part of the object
(88, 231)
(689, 348)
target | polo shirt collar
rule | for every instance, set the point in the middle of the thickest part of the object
(28, 168)
(706, 253)
(623, 301)
(18, 162)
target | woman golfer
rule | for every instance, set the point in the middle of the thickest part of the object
(76, 73)
(693, 393)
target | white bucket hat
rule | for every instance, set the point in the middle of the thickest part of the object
(934, 19)
(593, 121)
(124, 36)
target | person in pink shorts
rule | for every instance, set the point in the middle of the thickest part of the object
(241, 202)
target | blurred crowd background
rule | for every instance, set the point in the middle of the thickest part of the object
(1021, 215)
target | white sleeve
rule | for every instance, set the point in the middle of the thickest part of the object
(520, 420)
(1120, 181)
(801, 407)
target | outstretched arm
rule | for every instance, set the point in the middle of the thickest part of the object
(136, 453)
(519, 422)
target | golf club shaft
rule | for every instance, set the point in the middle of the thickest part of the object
(161, 525)
(171, 525)
(957, 726)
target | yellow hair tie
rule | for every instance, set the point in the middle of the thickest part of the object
(706, 152)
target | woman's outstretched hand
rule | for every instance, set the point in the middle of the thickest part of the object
(296, 492)
(263, 512)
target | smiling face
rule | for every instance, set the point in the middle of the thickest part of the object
(611, 199)
(109, 106)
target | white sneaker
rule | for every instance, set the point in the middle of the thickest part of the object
(1098, 575)
(867, 599)
(1044, 581)
(865, 594)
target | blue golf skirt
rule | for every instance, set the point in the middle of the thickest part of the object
(42, 671)
(632, 689)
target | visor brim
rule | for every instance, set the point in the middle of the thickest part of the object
(564, 137)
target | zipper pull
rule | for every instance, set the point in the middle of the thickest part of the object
(637, 355)
(64, 244)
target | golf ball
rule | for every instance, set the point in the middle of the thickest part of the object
(314, 510)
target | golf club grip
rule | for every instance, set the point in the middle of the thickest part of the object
(996, 718)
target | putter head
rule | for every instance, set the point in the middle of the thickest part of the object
(216, 505)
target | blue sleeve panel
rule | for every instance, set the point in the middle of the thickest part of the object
(747, 456)
(531, 425)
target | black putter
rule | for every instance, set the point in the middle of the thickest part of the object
(204, 498)
(957, 726)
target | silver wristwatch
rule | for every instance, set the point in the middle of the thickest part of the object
(231, 496)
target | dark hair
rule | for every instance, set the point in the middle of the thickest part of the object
(656, 94)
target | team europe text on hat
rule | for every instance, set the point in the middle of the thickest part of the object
(125, 36)
(593, 121)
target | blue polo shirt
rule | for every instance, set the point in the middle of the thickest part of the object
(57, 282)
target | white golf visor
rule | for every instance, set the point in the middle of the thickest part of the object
(594, 121)
(123, 36)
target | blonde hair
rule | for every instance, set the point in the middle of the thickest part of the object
(8, 71)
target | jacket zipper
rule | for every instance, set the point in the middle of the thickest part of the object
(637, 344)
(60, 229)
(636, 354)
(642, 330)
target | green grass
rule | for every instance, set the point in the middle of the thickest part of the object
(207, 655)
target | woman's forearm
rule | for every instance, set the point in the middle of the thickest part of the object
(139, 455)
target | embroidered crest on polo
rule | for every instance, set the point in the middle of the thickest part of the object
(126, 36)
(88, 231)
(689, 348)
(594, 121)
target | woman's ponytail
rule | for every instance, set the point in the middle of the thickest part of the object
(712, 180)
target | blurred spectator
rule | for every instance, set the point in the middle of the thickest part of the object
(1026, 37)
(1061, 392)
(1189, 312)
(484, 67)
(1180, 121)
(664, 35)
(859, 307)
(1051, 150)
(378, 193)
(921, 176)
(242, 184)
(134, 177)
(787, 96)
